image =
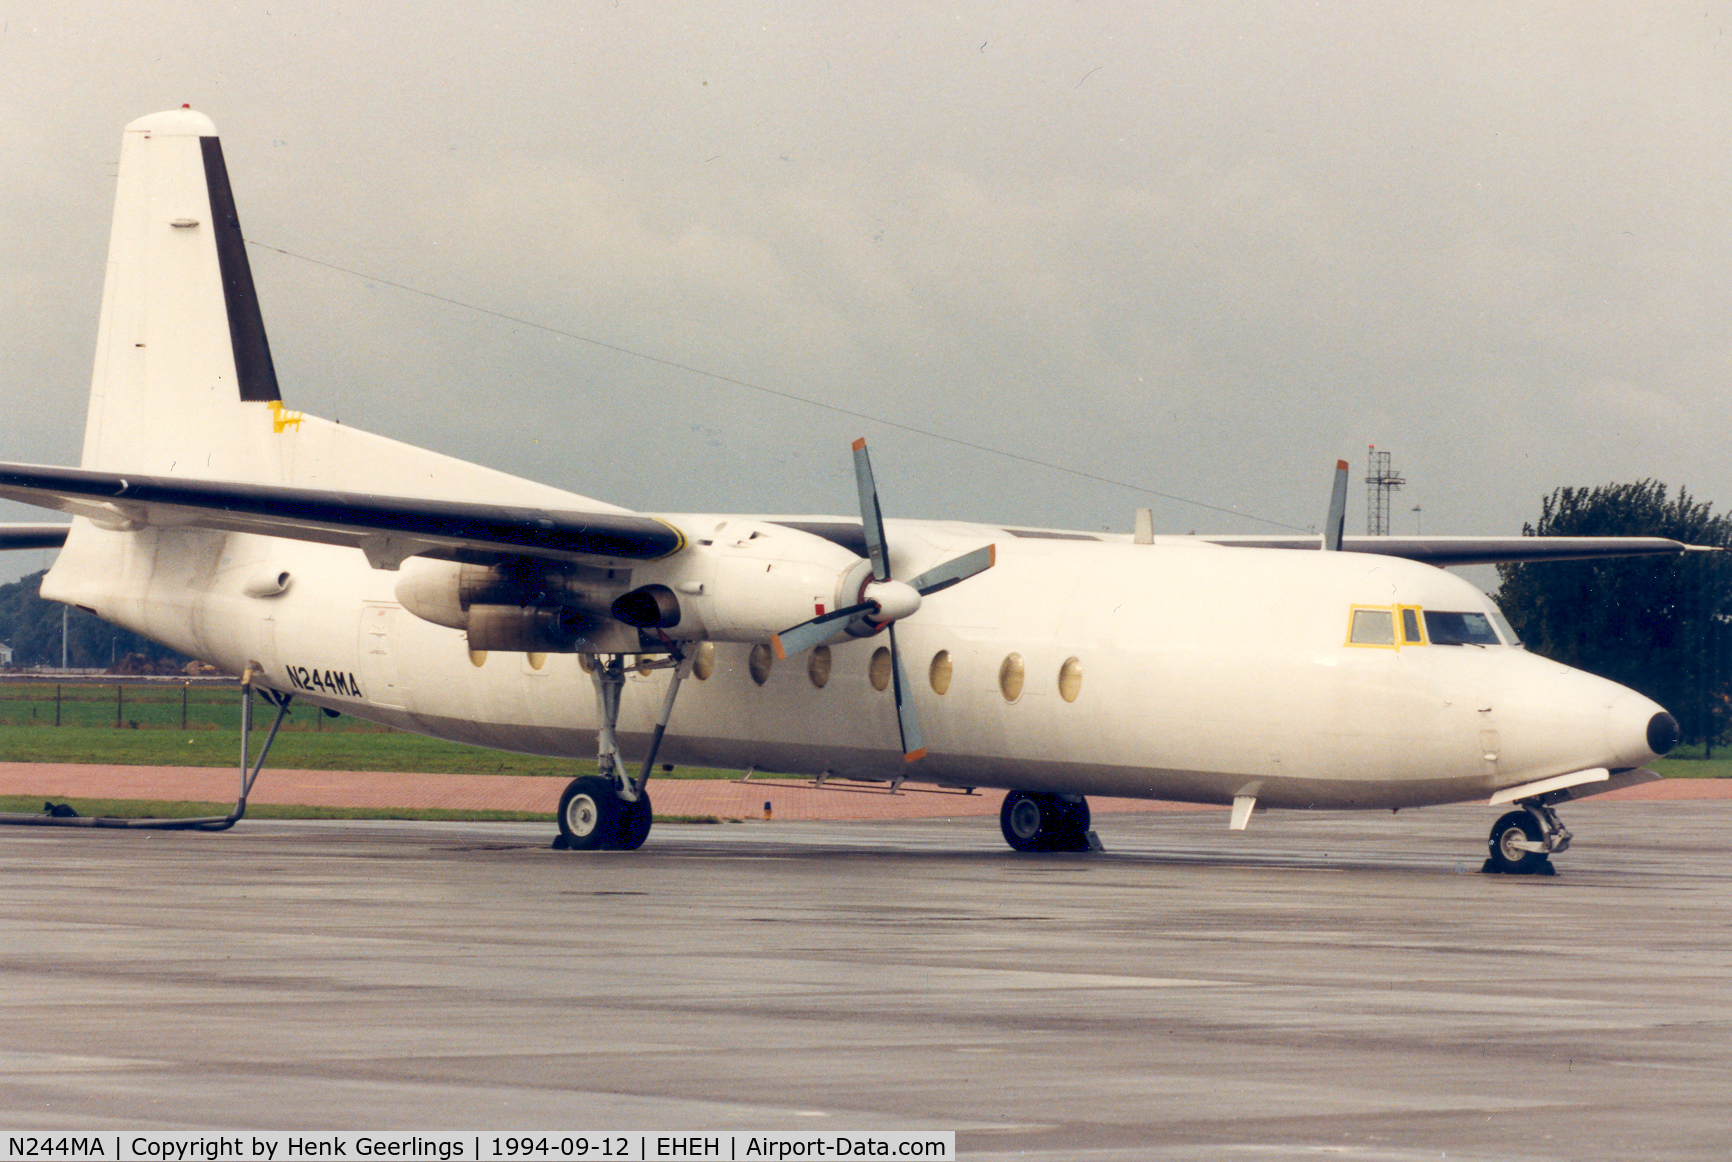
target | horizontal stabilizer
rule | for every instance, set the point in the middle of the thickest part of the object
(33, 536)
(1446, 551)
(387, 528)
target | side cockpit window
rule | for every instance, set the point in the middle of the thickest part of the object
(1372, 627)
(1460, 629)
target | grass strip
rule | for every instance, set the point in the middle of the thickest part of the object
(301, 750)
(1688, 763)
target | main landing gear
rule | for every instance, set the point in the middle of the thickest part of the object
(1523, 842)
(609, 809)
(1035, 821)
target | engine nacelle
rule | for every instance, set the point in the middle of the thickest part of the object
(749, 581)
(746, 583)
(446, 592)
(523, 606)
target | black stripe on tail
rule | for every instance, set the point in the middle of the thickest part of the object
(258, 375)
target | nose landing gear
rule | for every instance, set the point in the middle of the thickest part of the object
(1522, 842)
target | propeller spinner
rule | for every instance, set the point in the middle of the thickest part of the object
(883, 602)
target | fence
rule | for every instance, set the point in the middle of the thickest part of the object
(140, 703)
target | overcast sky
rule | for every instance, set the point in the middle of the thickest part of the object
(1203, 249)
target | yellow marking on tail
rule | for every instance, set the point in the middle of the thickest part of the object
(282, 420)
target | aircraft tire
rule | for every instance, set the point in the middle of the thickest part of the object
(634, 823)
(1510, 860)
(1035, 821)
(1026, 819)
(590, 813)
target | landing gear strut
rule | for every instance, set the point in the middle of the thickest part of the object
(1034, 821)
(610, 809)
(1522, 842)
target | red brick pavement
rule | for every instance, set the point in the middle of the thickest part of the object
(790, 799)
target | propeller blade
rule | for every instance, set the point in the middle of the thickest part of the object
(871, 518)
(1337, 519)
(810, 633)
(958, 569)
(907, 718)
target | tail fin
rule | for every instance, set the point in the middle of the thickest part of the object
(184, 383)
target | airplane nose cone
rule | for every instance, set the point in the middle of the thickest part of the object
(1662, 733)
(1638, 730)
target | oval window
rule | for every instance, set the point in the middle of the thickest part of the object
(1010, 674)
(941, 671)
(1070, 679)
(536, 661)
(704, 661)
(759, 663)
(879, 669)
(478, 658)
(818, 666)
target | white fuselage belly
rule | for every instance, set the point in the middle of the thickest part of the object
(1206, 673)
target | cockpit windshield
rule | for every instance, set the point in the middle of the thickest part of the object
(1460, 629)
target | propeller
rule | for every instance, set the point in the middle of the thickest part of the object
(883, 602)
(1334, 523)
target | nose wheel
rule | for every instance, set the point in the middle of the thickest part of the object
(1522, 842)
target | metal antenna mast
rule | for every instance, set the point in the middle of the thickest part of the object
(1380, 481)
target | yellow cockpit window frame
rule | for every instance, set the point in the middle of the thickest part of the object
(1401, 612)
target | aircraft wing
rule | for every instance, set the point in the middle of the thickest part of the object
(32, 536)
(387, 528)
(1445, 551)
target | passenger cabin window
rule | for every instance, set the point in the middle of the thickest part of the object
(1372, 627)
(1460, 629)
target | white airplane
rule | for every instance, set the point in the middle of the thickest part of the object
(372, 578)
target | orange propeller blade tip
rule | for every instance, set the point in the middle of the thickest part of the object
(860, 443)
(1340, 465)
(914, 756)
(776, 644)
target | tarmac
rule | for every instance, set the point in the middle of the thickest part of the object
(1337, 984)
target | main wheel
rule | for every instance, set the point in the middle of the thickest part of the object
(1034, 821)
(634, 823)
(1506, 857)
(589, 814)
(1027, 819)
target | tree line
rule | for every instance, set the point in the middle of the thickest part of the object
(1656, 625)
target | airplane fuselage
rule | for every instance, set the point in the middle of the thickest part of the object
(1083, 665)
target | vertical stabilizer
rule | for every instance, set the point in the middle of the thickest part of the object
(183, 383)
